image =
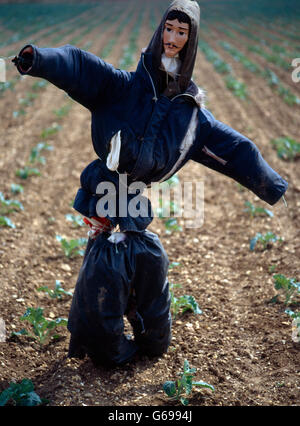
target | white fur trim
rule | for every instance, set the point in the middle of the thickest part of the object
(112, 161)
(186, 143)
(171, 65)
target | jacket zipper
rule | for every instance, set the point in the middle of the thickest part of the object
(154, 90)
(153, 87)
(213, 155)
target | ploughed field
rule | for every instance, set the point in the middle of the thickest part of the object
(240, 340)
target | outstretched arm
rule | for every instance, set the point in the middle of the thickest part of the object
(83, 75)
(227, 151)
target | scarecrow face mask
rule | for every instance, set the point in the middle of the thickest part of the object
(175, 36)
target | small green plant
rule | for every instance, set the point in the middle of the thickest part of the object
(27, 171)
(287, 148)
(72, 247)
(16, 188)
(63, 111)
(28, 100)
(49, 131)
(76, 220)
(179, 389)
(21, 394)
(18, 113)
(173, 265)
(8, 206)
(35, 153)
(255, 211)
(184, 303)
(171, 225)
(42, 329)
(238, 88)
(283, 91)
(289, 286)
(5, 221)
(266, 240)
(40, 84)
(58, 291)
(168, 209)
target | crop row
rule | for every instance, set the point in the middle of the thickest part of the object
(103, 21)
(237, 87)
(263, 72)
(27, 19)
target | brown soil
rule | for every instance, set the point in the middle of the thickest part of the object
(241, 344)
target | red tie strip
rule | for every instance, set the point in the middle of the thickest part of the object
(98, 225)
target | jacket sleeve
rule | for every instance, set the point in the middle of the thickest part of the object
(227, 151)
(83, 75)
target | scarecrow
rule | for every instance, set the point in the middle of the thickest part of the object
(146, 125)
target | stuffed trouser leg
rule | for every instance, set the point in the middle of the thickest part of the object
(98, 305)
(149, 305)
(153, 332)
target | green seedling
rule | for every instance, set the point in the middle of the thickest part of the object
(289, 287)
(173, 181)
(35, 153)
(34, 157)
(266, 240)
(168, 209)
(28, 100)
(16, 188)
(171, 225)
(27, 171)
(76, 220)
(40, 84)
(42, 329)
(21, 394)
(179, 389)
(271, 77)
(282, 90)
(255, 211)
(183, 304)
(5, 221)
(63, 111)
(57, 293)
(72, 248)
(173, 265)
(49, 131)
(288, 97)
(8, 206)
(8, 85)
(287, 148)
(18, 113)
(238, 88)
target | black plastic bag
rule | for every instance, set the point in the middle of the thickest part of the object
(116, 279)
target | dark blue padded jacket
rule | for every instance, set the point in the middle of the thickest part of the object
(152, 125)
